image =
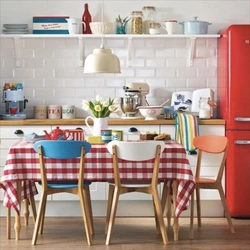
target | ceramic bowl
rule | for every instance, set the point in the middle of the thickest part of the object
(101, 27)
(150, 112)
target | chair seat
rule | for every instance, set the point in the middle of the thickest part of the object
(204, 181)
(139, 183)
(66, 184)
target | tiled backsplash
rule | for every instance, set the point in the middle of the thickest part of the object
(51, 69)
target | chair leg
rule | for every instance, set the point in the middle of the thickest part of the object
(166, 199)
(112, 215)
(198, 204)
(8, 222)
(86, 194)
(39, 218)
(224, 203)
(109, 205)
(33, 207)
(26, 212)
(191, 230)
(86, 220)
(42, 217)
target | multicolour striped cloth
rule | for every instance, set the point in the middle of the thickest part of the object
(186, 128)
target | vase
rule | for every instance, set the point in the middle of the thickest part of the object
(120, 28)
(99, 124)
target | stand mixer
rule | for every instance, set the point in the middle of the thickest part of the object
(135, 96)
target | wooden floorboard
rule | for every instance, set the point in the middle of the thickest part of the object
(130, 234)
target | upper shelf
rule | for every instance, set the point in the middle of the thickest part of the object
(110, 36)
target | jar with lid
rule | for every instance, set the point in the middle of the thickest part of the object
(136, 22)
(149, 15)
(154, 28)
(204, 108)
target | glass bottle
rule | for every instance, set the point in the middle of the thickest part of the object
(136, 22)
(86, 19)
(149, 15)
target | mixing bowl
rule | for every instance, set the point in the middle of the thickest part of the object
(150, 112)
(129, 105)
(101, 27)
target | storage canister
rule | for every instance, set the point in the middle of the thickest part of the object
(54, 112)
(68, 112)
(149, 15)
(40, 112)
(136, 22)
(117, 135)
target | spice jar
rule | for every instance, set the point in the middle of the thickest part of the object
(149, 15)
(136, 22)
(154, 28)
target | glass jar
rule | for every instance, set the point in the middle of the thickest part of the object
(149, 15)
(154, 28)
(136, 22)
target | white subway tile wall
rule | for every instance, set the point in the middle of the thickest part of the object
(51, 71)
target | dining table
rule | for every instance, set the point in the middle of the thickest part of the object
(22, 172)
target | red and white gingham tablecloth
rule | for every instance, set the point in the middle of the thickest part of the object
(22, 164)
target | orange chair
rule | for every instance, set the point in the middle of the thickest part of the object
(211, 144)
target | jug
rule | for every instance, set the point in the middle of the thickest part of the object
(73, 25)
(99, 124)
(57, 134)
(205, 107)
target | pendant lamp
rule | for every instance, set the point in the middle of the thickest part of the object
(102, 60)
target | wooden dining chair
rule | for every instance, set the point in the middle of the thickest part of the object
(210, 144)
(29, 201)
(134, 151)
(60, 151)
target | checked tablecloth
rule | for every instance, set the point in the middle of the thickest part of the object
(22, 164)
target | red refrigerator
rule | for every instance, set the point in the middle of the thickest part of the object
(234, 107)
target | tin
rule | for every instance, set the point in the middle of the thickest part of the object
(40, 112)
(117, 135)
(106, 135)
(68, 112)
(54, 112)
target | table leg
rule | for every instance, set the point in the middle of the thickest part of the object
(26, 212)
(17, 225)
(176, 225)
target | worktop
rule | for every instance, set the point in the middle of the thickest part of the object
(112, 121)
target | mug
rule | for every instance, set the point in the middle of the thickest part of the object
(106, 135)
(169, 26)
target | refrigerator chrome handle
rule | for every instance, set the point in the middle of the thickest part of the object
(242, 119)
(242, 142)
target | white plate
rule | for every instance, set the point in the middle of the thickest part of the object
(15, 26)
(15, 31)
(132, 117)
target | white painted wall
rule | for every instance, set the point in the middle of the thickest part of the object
(51, 72)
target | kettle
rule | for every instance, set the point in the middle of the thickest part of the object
(57, 134)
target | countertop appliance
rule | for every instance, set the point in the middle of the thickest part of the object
(234, 107)
(135, 96)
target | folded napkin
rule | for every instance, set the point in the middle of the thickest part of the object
(186, 128)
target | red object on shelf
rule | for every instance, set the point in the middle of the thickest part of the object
(86, 19)
(234, 107)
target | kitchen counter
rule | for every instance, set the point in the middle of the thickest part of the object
(111, 122)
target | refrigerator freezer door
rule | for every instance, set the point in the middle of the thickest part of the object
(238, 173)
(234, 77)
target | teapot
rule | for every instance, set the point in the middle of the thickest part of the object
(57, 134)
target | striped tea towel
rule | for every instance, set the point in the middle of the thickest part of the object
(186, 128)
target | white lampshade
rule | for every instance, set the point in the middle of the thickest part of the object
(102, 61)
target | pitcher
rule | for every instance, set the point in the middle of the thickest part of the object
(98, 124)
(73, 25)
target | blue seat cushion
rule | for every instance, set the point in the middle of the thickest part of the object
(65, 184)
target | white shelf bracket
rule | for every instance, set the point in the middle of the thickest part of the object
(81, 51)
(129, 55)
(17, 50)
(191, 53)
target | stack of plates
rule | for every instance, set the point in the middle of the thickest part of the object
(15, 28)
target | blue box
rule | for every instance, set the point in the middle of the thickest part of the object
(50, 25)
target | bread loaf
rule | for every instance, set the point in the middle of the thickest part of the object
(162, 137)
(148, 135)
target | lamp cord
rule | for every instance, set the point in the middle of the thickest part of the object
(102, 45)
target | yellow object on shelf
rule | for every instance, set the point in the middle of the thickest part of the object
(95, 139)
